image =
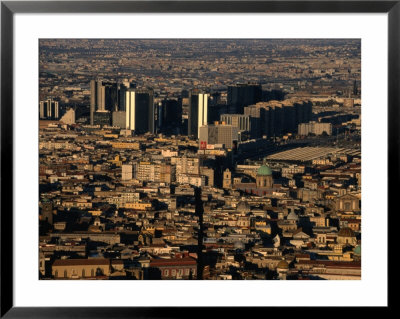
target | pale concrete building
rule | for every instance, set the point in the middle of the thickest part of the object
(225, 135)
(127, 172)
(314, 128)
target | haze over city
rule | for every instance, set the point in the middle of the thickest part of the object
(210, 159)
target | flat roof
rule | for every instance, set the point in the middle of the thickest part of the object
(81, 262)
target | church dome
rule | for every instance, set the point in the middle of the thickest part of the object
(346, 232)
(283, 264)
(264, 170)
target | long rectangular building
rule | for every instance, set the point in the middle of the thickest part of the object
(275, 118)
(307, 154)
(314, 128)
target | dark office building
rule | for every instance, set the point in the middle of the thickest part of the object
(241, 95)
(102, 118)
(169, 116)
(257, 114)
(278, 118)
(215, 112)
(140, 113)
(111, 96)
(198, 112)
(122, 88)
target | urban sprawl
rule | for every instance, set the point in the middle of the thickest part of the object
(204, 159)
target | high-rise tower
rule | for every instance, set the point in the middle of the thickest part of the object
(243, 94)
(139, 107)
(198, 112)
(103, 97)
(49, 109)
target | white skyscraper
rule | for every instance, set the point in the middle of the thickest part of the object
(198, 112)
(130, 109)
(202, 111)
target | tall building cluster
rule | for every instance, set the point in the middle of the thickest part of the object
(49, 110)
(107, 97)
(135, 109)
(243, 115)
(263, 119)
(275, 118)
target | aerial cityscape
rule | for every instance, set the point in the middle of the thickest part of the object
(199, 159)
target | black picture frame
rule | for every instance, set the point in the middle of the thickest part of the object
(9, 8)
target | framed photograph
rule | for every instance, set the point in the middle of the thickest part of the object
(158, 156)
